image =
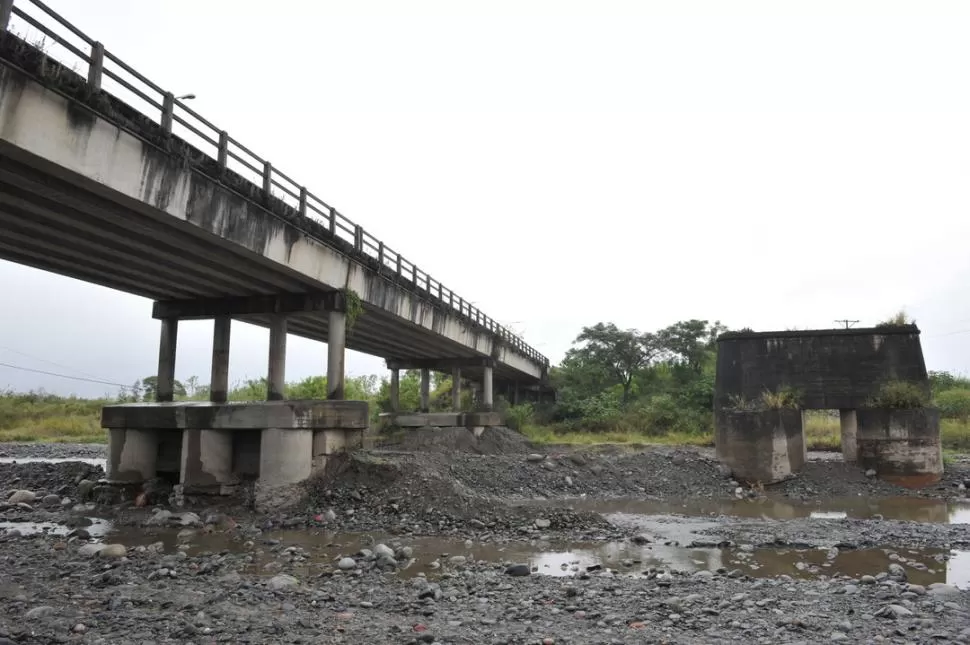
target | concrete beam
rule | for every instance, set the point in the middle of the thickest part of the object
(204, 415)
(439, 364)
(284, 303)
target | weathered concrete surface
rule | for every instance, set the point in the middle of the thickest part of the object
(207, 461)
(285, 460)
(902, 445)
(107, 206)
(250, 415)
(334, 441)
(763, 446)
(830, 368)
(447, 419)
(849, 427)
(132, 455)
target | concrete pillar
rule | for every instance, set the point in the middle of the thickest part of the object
(132, 455)
(207, 454)
(515, 393)
(219, 379)
(395, 391)
(168, 342)
(285, 457)
(487, 401)
(425, 390)
(6, 9)
(276, 374)
(336, 343)
(849, 426)
(456, 389)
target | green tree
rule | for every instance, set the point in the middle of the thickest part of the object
(149, 387)
(688, 342)
(617, 354)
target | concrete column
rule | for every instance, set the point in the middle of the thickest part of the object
(456, 389)
(219, 380)
(849, 427)
(487, 402)
(395, 391)
(276, 374)
(285, 456)
(336, 343)
(168, 342)
(515, 393)
(6, 9)
(207, 454)
(132, 455)
(425, 390)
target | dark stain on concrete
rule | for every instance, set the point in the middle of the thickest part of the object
(159, 177)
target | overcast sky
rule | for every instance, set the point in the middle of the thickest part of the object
(770, 164)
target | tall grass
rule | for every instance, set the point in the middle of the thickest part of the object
(38, 416)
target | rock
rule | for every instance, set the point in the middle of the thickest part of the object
(518, 570)
(21, 497)
(161, 518)
(281, 581)
(894, 612)
(189, 519)
(941, 589)
(704, 575)
(534, 457)
(870, 473)
(897, 571)
(89, 550)
(404, 553)
(542, 524)
(724, 470)
(113, 551)
(382, 550)
(84, 489)
(39, 612)
(346, 564)
(457, 560)
(330, 515)
(80, 628)
(640, 539)
(836, 637)
(51, 500)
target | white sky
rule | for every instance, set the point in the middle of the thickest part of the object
(771, 164)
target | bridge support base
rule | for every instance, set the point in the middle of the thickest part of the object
(217, 442)
(760, 446)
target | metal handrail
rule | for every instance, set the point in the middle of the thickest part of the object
(273, 183)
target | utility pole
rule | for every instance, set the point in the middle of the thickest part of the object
(848, 323)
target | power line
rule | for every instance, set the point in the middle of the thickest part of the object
(43, 360)
(76, 378)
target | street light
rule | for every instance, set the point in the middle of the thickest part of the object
(185, 97)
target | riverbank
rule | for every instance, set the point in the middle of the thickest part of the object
(438, 538)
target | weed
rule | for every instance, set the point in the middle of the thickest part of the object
(786, 397)
(899, 395)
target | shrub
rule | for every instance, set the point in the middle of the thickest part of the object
(899, 394)
(954, 404)
(899, 319)
(519, 416)
(786, 397)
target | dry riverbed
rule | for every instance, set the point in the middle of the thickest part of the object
(445, 539)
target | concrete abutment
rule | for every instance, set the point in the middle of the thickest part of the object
(902, 445)
(760, 446)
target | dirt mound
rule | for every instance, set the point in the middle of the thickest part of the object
(497, 440)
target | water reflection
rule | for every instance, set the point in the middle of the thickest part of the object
(913, 509)
(98, 528)
(103, 463)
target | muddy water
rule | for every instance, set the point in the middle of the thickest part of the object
(433, 555)
(913, 509)
(99, 528)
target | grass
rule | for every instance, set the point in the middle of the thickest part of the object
(547, 435)
(37, 416)
(67, 429)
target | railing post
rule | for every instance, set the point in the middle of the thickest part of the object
(358, 238)
(303, 195)
(223, 150)
(267, 181)
(6, 9)
(414, 274)
(96, 65)
(333, 222)
(380, 257)
(168, 110)
(399, 264)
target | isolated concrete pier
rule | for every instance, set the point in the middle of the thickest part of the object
(831, 369)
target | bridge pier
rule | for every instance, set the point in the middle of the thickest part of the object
(484, 416)
(279, 442)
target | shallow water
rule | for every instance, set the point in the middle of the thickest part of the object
(99, 528)
(49, 460)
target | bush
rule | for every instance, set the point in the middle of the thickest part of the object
(783, 398)
(518, 417)
(899, 394)
(954, 404)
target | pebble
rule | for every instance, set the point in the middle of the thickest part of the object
(382, 550)
(21, 497)
(347, 564)
(282, 581)
(518, 570)
(113, 551)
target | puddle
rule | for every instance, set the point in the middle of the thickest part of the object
(99, 528)
(913, 509)
(431, 555)
(47, 460)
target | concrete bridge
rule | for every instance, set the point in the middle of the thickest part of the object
(164, 205)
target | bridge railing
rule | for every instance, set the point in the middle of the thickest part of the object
(71, 47)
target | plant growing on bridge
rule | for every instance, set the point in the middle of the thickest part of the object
(355, 307)
(786, 397)
(899, 394)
